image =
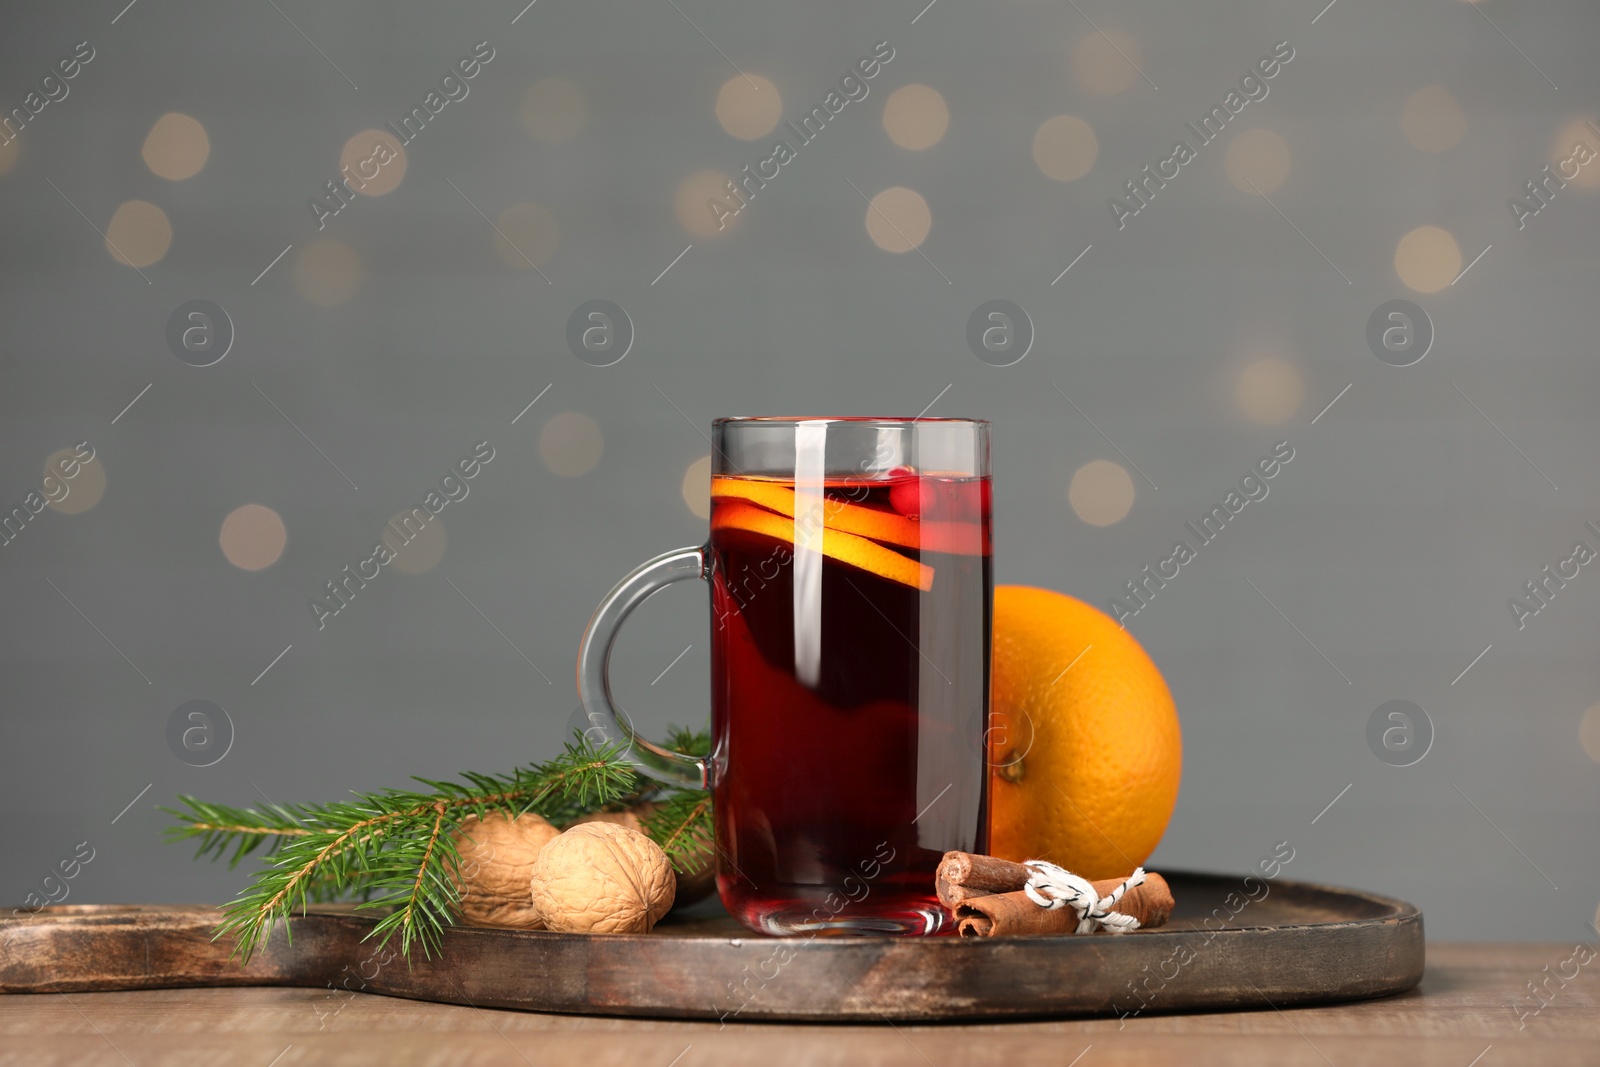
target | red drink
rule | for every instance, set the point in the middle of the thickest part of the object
(850, 668)
(851, 596)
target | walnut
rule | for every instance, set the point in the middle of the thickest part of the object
(633, 818)
(497, 857)
(694, 884)
(602, 878)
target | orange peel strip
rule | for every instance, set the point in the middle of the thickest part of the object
(956, 537)
(836, 544)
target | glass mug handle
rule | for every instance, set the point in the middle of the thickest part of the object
(594, 661)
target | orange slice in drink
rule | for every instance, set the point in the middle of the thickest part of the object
(836, 544)
(958, 537)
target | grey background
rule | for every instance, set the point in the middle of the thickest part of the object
(1392, 540)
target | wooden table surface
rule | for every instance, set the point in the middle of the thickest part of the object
(1461, 1016)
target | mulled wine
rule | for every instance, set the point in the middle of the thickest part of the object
(850, 684)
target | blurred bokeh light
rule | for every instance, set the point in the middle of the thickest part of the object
(898, 219)
(84, 489)
(570, 444)
(422, 552)
(1589, 732)
(1257, 160)
(176, 147)
(327, 273)
(554, 110)
(697, 487)
(253, 537)
(1270, 390)
(1106, 62)
(748, 106)
(374, 162)
(1566, 158)
(1101, 493)
(1427, 259)
(915, 116)
(138, 234)
(525, 236)
(1432, 120)
(693, 204)
(1065, 148)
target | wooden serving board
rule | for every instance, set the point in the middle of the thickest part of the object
(1299, 943)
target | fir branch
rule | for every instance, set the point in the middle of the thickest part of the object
(681, 825)
(689, 742)
(393, 848)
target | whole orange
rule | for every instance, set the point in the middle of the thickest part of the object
(1085, 750)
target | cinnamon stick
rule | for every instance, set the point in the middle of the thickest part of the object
(965, 874)
(984, 893)
(1013, 914)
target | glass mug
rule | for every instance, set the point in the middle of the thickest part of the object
(851, 593)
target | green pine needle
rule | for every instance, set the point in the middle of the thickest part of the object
(393, 850)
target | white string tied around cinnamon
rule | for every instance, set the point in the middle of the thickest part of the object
(1052, 887)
